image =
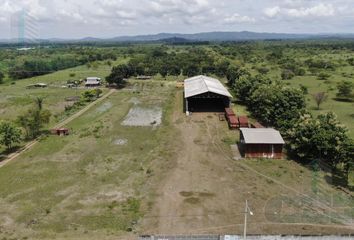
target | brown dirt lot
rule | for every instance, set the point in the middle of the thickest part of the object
(206, 189)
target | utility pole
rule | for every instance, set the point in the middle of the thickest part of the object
(247, 211)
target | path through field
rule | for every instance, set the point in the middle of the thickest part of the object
(59, 125)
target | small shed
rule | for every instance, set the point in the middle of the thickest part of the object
(60, 131)
(205, 94)
(261, 143)
(93, 82)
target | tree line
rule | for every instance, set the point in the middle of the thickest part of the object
(20, 65)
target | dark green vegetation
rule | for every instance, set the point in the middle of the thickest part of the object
(47, 60)
(9, 134)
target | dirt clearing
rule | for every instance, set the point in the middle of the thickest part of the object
(143, 116)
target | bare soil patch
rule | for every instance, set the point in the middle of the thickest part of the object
(143, 116)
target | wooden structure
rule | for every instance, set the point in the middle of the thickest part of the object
(261, 143)
(243, 121)
(205, 94)
(60, 131)
(231, 118)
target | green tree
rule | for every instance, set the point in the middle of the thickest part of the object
(245, 86)
(34, 120)
(9, 134)
(39, 102)
(89, 95)
(263, 70)
(277, 105)
(321, 138)
(345, 90)
(174, 70)
(323, 76)
(163, 70)
(287, 74)
(191, 70)
(118, 74)
(98, 92)
(234, 73)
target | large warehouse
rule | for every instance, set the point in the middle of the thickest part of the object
(205, 94)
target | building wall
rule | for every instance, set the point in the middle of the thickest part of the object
(207, 102)
(263, 151)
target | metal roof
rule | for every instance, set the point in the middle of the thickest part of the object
(202, 84)
(261, 136)
(92, 81)
(93, 78)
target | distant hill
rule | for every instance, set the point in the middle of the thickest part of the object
(204, 36)
(210, 36)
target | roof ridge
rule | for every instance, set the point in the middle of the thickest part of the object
(206, 85)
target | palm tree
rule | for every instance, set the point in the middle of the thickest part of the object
(39, 102)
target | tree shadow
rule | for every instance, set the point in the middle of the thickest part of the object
(339, 180)
(335, 178)
(4, 154)
(348, 100)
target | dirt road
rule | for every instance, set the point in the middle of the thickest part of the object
(199, 192)
(61, 124)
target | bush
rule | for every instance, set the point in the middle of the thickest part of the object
(263, 70)
(287, 74)
(323, 76)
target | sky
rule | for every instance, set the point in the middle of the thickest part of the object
(110, 18)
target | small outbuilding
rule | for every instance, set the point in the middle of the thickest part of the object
(60, 131)
(261, 143)
(93, 82)
(205, 94)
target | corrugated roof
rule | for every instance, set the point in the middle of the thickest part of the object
(93, 78)
(261, 136)
(202, 84)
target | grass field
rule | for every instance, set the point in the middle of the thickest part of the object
(86, 183)
(344, 110)
(16, 98)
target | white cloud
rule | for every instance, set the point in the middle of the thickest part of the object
(237, 18)
(319, 10)
(119, 17)
(272, 12)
